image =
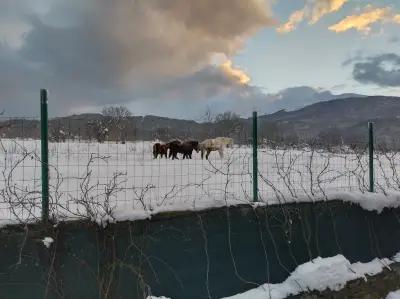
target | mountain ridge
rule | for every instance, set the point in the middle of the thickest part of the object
(344, 118)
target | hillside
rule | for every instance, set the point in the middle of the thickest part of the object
(348, 117)
(335, 120)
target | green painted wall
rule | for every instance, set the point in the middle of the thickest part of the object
(208, 254)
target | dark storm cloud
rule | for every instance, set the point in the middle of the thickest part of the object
(95, 52)
(382, 70)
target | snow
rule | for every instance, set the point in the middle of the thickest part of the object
(47, 241)
(317, 275)
(320, 274)
(370, 201)
(396, 258)
(143, 186)
(393, 295)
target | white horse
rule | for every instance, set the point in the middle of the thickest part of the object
(216, 144)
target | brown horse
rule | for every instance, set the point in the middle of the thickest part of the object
(174, 147)
(160, 150)
(185, 148)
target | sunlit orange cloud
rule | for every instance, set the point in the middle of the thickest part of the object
(363, 21)
(313, 11)
(323, 7)
(294, 19)
(235, 73)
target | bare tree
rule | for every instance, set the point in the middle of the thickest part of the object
(58, 134)
(228, 124)
(97, 129)
(116, 118)
(227, 116)
(207, 116)
(6, 124)
(163, 134)
(116, 112)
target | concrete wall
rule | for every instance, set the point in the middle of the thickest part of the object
(208, 254)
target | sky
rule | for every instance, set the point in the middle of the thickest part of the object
(182, 58)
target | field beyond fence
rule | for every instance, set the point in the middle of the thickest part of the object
(100, 170)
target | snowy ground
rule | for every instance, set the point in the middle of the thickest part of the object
(123, 181)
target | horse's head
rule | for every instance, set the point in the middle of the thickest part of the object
(196, 146)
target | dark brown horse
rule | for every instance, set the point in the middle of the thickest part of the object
(188, 147)
(160, 150)
(174, 147)
(185, 148)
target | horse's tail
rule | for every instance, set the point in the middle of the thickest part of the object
(156, 149)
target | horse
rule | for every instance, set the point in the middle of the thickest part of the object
(160, 149)
(174, 147)
(225, 140)
(185, 148)
(216, 144)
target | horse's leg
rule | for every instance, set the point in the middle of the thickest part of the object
(221, 152)
(208, 153)
(202, 154)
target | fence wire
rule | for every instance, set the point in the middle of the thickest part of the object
(99, 169)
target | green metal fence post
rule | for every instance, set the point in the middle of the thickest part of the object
(255, 157)
(371, 155)
(44, 137)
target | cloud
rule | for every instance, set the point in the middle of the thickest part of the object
(294, 19)
(96, 52)
(365, 20)
(394, 39)
(13, 27)
(314, 10)
(211, 87)
(324, 7)
(236, 74)
(382, 70)
(209, 82)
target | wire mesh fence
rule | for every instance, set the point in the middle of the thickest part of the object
(100, 168)
(312, 171)
(20, 180)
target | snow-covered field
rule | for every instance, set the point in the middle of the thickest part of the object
(104, 181)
